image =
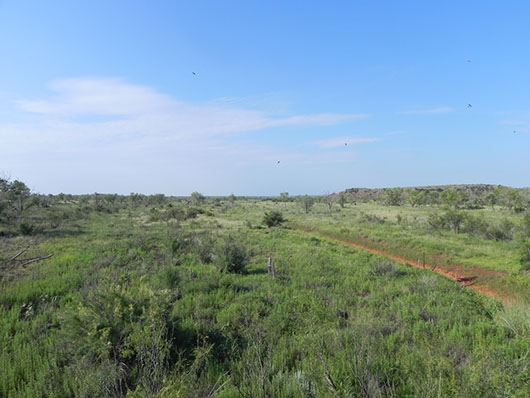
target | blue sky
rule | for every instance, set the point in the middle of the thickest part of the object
(100, 96)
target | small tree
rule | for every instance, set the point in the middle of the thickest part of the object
(416, 198)
(330, 199)
(19, 193)
(453, 198)
(307, 203)
(284, 197)
(197, 198)
(273, 219)
(454, 219)
(232, 198)
(341, 198)
(394, 196)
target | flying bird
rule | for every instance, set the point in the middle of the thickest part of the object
(468, 60)
(469, 106)
(278, 161)
(345, 143)
(193, 73)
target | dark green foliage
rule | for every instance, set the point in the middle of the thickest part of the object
(453, 198)
(273, 218)
(231, 256)
(476, 225)
(26, 228)
(394, 197)
(197, 198)
(525, 254)
(454, 219)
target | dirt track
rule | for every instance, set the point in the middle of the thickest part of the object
(465, 276)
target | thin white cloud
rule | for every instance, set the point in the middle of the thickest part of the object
(95, 134)
(141, 109)
(431, 111)
(344, 141)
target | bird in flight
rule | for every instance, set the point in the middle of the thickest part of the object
(469, 106)
(468, 60)
(278, 161)
(345, 143)
(193, 73)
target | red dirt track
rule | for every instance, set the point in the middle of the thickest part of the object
(465, 276)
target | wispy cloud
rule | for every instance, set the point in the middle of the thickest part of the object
(142, 109)
(431, 111)
(344, 141)
(111, 127)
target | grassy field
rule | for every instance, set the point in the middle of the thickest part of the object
(136, 304)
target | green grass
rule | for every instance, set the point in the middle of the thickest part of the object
(131, 307)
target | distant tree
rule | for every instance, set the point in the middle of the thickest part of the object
(4, 200)
(432, 198)
(394, 196)
(197, 198)
(232, 198)
(453, 198)
(416, 198)
(307, 202)
(19, 194)
(156, 199)
(284, 197)
(514, 199)
(341, 198)
(330, 199)
(136, 198)
(491, 200)
(110, 198)
(454, 219)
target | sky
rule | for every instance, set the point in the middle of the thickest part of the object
(262, 97)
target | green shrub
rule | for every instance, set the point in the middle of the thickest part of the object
(385, 268)
(525, 255)
(26, 228)
(273, 219)
(231, 257)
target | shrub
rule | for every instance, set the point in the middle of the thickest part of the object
(475, 225)
(203, 245)
(385, 268)
(26, 229)
(231, 257)
(525, 255)
(503, 231)
(273, 219)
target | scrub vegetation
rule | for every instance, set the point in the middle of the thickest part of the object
(155, 296)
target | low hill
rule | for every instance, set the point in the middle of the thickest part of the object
(471, 190)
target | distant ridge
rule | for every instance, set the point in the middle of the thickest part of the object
(471, 190)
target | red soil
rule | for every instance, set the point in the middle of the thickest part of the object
(466, 276)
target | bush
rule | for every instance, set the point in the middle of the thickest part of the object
(385, 268)
(232, 257)
(26, 229)
(203, 245)
(476, 225)
(273, 219)
(525, 255)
